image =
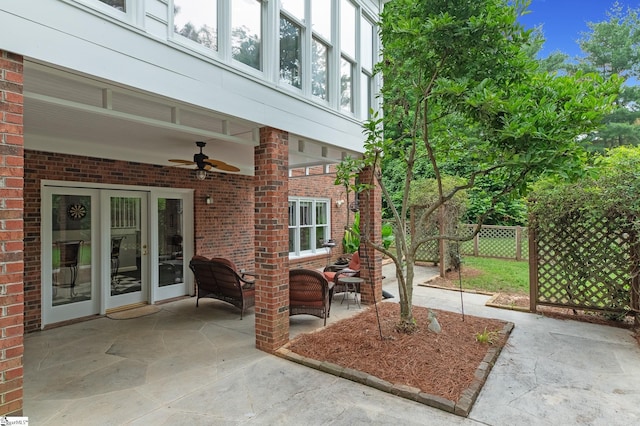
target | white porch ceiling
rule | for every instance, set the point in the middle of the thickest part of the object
(69, 113)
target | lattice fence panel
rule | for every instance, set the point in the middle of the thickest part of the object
(427, 252)
(585, 264)
(506, 242)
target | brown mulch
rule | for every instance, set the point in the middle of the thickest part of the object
(441, 364)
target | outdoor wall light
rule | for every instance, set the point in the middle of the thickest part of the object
(339, 203)
(201, 174)
(208, 199)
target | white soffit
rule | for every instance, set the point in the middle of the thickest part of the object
(74, 114)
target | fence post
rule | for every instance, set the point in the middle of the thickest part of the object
(518, 243)
(533, 268)
(476, 244)
(635, 278)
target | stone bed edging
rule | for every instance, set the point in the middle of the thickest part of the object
(460, 408)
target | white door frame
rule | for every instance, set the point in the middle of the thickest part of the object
(52, 314)
(100, 269)
(107, 300)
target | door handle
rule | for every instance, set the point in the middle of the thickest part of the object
(144, 250)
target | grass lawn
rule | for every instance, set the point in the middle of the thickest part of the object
(494, 275)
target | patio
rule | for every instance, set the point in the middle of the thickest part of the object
(184, 365)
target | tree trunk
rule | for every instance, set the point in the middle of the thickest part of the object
(405, 286)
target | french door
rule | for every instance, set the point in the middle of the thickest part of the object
(125, 247)
(70, 281)
(105, 249)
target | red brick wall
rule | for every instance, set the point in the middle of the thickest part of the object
(317, 184)
(272, 239)
(224, 228)
(11, 233)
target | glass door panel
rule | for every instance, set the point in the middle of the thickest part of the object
(71, 249)
(127, 248)
(69, 276)
(170, 247)
(170, 238)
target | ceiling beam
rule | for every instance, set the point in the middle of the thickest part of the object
(106, 112)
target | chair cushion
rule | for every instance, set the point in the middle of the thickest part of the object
(329, 275)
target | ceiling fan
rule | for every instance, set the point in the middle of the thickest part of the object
(204, 163)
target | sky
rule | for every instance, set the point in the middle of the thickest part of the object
(563, 21)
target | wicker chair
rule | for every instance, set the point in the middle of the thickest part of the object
(309, 293)
(218, 280)
(244, 274)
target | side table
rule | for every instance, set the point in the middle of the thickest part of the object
(351, 286)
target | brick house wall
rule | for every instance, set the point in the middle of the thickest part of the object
(11, 233)
(315, 183)
(224, 228)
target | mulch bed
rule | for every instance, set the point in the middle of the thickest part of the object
(441, 364)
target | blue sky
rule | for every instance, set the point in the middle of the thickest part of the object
(563, 21)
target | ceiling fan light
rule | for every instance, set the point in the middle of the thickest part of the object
(201, 174)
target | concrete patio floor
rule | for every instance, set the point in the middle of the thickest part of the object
(199, 366)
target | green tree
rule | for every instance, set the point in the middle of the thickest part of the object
(612, 47)
(456, 61)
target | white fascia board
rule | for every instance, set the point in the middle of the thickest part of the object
(56, 33)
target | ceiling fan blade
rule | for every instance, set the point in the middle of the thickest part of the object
(228, 168)
(214, 163)
(185, 162)
(207, 167)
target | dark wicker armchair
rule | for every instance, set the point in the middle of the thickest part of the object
(309, 293)
(244, 274)
(218, 280)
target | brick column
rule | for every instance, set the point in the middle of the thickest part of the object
(272, 239)
(370, 203)
(11, 233)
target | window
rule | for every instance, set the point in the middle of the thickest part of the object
(246, 32)
(120, 5)
(309, 225)
(290, 53)
(197, 20)
(346, 85)
(348, 49)
(366, 61)
(321, 18)
(294, 7)
(319, 76)
(348, 28)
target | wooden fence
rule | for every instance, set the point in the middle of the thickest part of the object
(503, 242)
(590, 264)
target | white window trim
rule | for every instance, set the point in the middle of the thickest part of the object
(314, 251)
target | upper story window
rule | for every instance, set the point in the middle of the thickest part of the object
(197, 20)
(319, 69)
(295, 8)
(348, 54)
(246, 32)
(290, 52)
(321, 11)
(348, 28)
(324, 50)
(121, 5)
(366, 62)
